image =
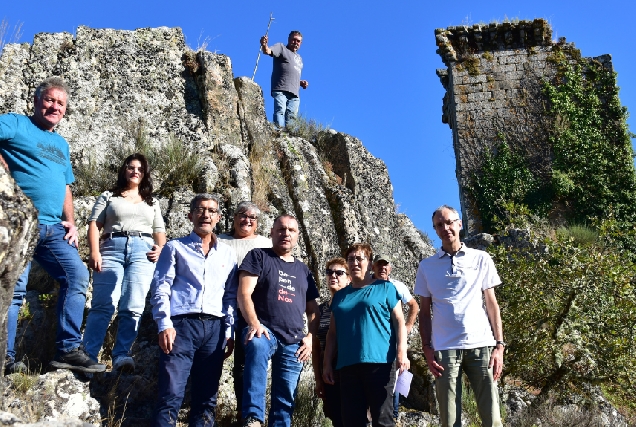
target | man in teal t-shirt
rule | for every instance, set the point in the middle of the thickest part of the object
(38, 159)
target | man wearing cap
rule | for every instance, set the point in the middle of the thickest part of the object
(382, 270)
(464, 335)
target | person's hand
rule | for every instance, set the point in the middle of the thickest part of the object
(71, 233)
(256, 332)
(496, 362)
(264, 40)
(327, 374)
(304, 352)
(166, 339)
(435, 368)
(229, 347)
(154, 253)
(320, 388)
(403, 362)
(95, 261)
(304, 84)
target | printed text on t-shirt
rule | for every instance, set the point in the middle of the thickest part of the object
(285, 283)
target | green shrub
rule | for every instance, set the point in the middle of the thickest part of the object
(569, 312)
(174, 164)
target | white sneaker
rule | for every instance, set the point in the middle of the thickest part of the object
(124, 364)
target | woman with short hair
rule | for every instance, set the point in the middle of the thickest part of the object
(366, 334)
(337, 274)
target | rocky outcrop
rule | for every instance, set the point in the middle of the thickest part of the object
(146, 86)
(18, 235)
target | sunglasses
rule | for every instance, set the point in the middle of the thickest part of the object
(338, 273)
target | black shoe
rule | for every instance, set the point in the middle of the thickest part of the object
(13, 367)
(77, 360)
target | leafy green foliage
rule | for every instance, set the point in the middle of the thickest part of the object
(504, 177)
(570, 312)
(593, 168)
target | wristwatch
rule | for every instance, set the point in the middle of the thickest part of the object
(503, 344)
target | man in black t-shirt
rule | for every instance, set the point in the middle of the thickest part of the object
(275, 289)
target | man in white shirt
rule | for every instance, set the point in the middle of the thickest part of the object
(463, 335)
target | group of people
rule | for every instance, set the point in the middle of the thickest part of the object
(246, 294)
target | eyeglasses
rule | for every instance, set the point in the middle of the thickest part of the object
(353, 259)
(447, 223)
(338, 273)
(246, 216)
(201, 210)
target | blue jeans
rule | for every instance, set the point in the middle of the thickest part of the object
(285, 107)
(122, 284)
(63, 263)
(285, 376)
(197, 353)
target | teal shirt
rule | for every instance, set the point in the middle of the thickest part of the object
(365, 333)
(39, 162)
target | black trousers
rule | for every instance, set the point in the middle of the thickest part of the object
(367, 385)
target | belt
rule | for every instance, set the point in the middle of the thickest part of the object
(125, 234)
(196, 316)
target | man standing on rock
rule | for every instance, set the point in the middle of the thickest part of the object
(463, 334)
(38, 159)
(286, 77)
(275, 289)
(193, 302)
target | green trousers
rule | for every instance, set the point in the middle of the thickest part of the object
(474, 362)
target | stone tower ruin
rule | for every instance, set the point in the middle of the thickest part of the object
(493, 80)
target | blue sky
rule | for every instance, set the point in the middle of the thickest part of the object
(370, 64)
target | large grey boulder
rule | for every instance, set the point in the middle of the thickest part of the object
(18, 236)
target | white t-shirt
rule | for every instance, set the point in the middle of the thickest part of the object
(403, 291)
(243, 246)
(456, 286)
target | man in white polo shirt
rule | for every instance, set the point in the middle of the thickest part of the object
(464, 335)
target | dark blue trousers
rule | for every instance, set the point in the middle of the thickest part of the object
(197, 353)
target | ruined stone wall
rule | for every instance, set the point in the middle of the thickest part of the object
(493, 83)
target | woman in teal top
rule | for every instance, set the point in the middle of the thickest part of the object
(367, 332)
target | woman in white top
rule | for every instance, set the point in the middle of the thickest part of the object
(243, 238)
(123, 258)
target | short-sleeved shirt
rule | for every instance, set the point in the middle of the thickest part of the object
(39, 162)
(118, 214)
(243, 246)
(456, 287)
(403, 291)
(281, 293)
(364, 331)
(287, 68)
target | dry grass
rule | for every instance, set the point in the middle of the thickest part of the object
(7, 35)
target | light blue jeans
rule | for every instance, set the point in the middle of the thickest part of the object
(285, 376)
(63, 263)
(285, 107)
(122, 284)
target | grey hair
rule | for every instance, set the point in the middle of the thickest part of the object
(444, 207)
(246, 206)
(203, 197)
(279, 217)
(50, 83)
